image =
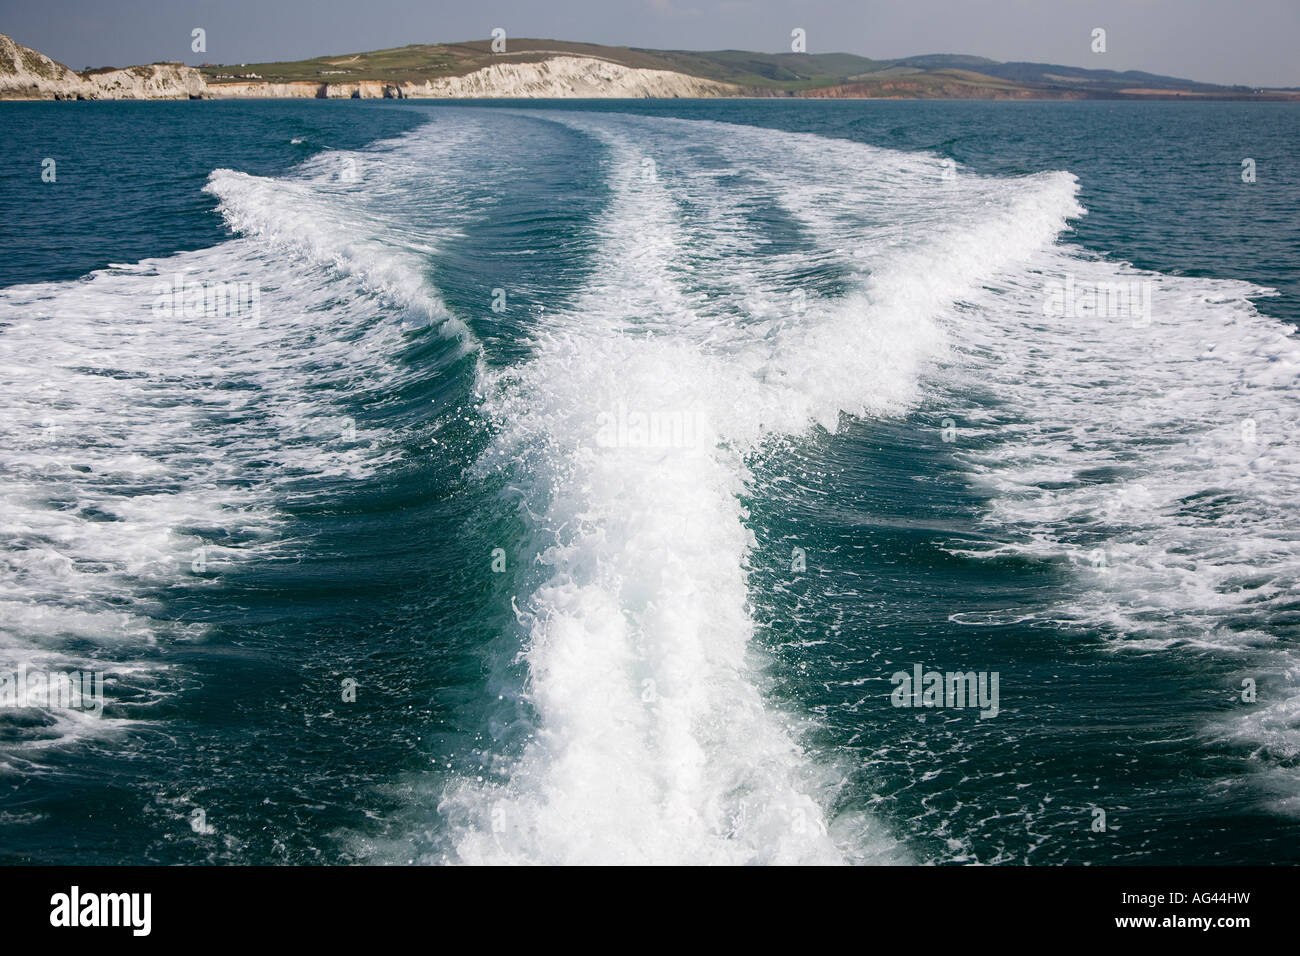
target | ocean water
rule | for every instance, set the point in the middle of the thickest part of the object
(574, 481)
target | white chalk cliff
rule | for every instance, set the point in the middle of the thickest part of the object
(27, 74)
(155, 81)
(569, 76)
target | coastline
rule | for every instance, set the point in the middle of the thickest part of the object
(559, 70)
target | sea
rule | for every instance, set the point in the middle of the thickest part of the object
(759, 481)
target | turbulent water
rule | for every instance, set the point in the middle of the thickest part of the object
(570, 484)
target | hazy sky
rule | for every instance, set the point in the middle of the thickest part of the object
(1226, 41)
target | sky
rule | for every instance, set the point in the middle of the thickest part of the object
(1251, 42)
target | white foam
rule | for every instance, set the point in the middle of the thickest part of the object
(146, 450)
(1126, 452)
(652, 742)
(1156, 463)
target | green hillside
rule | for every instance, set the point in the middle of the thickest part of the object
(807, 74)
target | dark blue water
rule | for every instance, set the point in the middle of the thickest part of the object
(916, 464)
